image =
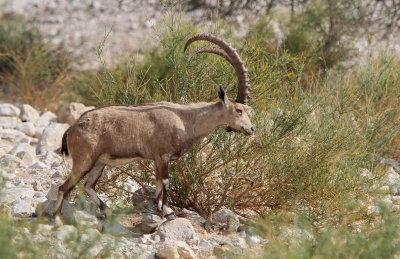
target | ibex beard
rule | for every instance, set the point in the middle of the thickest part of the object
(120, 134)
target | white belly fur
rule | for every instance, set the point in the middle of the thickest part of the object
(106, 159)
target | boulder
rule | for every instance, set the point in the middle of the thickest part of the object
(7, 109)
(22, 208)
(12, 135)
(8, 195)
(150, 222)
(25, 152)
(29, 114)
(66, 232)
(226, 220)
(44, 120)
(71, 112)
(9, 163)
(143, 198)
(28, 128)
(9, 122)
(205, 248)
(184, 250)
(168, 250)
(51, 138)
(178, 229)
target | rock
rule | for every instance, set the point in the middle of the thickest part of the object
(50, 157)
(72, 112)
(7, 109)
(255, 239)
(37, 186)
(194, 217)
(178, 229)
(84, 219)
(205, 248)
(143, 198)
(46, 208)
(22, 208)
(6, 176)
(9, 122)
(167, 250)
(12, 135)
(240, 242)
(150, 222)
(184, 250)
(38, 165)
(25, 152)
(27, 128)
(29, 114)
(50, 140)
(9, 163)
(44, 120)
(52, 193)
(66, 232)
(225, 219)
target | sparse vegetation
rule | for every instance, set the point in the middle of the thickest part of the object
(317, 127)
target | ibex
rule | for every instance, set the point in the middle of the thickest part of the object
(120, 134)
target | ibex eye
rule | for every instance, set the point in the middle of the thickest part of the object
(239, 111)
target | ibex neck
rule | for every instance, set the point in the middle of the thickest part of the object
(204, 118)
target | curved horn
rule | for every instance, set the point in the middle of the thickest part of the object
(216, 51)
(242, 74)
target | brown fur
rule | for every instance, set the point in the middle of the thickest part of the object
(161, 132)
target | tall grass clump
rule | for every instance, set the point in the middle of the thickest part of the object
(31, 70)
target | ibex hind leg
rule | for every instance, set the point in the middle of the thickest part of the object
(89, 187)
(77, 173)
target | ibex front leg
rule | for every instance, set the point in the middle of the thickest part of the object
(162, 189)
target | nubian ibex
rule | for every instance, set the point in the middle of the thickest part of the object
(120, 134)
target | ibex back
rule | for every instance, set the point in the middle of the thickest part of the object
(162, 132)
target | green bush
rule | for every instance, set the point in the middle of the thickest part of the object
(31, 70)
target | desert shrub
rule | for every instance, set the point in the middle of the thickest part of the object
(293, 236)
(31, 70)
(310, 144)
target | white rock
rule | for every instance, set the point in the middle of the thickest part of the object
(66, 232)
(44, 120)
(254, 239)
(7, 109)
(85, 219)
(178, 229)
(167, 250)
(22, 208)
(28, 113)
(27, 128)
(9, 163)
(50, 140)
(184, 250)
(12, 135)
(25, 152)
(150, 222)
(39, 165)
(9, 122)
(240, 242)
(225, 219)
(205, 248)
(71, 112)
(13, 193)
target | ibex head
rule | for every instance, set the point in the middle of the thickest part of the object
(236, 110)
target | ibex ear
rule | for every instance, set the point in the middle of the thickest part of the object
(222, 95)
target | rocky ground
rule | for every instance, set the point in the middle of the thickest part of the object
(31, 169)
(79, 26)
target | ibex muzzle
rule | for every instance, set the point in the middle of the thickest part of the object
(162, 132)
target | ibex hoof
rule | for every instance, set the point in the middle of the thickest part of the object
(170, 216)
